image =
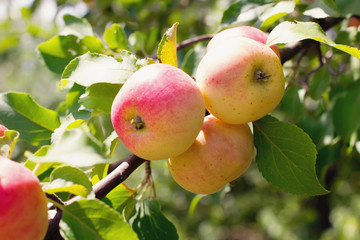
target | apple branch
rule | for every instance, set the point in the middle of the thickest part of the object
(118, 172)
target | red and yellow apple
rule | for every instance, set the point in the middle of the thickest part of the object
(23, 204)
(242, 81)
(221, 153)
(239, 32)
(158, 112)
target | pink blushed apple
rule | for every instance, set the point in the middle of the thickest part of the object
(221, 153)
(158, 112)
(23, 205)
(242, 81)
(240, 31)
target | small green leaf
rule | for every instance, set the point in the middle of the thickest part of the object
(322, 9)
(59, 51)
(68, 179)
(167, 51)
(319, 82)
(79, 27)
(346, 111)
(115, 37)
(100, 96)
(8, 142)
(92, 44)
(20, 112)
(76, 147)
(92, 68)
(118, 196)
(274, 13)
(286, 157)
(150, 223)
(287, 32)
(93, 220)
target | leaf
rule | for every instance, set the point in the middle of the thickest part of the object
(100, 96)
(322, 9)
(115, 37)
(68, 179)
(93, 220)
(92, 44)
(59, 51)
(150, 223)
(20, 112)
(92, 68)
(8, 142)
(76, 147)
(287, 32)
(346, 111)
(167, 51)
(274, 13)
(319, 82)
(286, 156)
(79, 27)
(118, 196)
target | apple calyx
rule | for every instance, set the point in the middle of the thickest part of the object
(137, 122)
(260, 76)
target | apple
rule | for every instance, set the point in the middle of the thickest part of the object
(242, 81)
(2, 130)
(221, 153)
(354, 21)
(240, 31)
(23, 204)
(158, 112)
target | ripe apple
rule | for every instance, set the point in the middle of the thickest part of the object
(158, 112)
(354, 21)
(220, 154)
(23, 205)
(240, 31)
(2, 130)
(241, 82)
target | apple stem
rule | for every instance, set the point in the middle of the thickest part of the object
(261, 76)
(137, 122)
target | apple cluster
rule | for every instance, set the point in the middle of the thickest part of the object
(160, 112)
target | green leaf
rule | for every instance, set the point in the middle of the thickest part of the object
(92, 68)
(79, 27)
(167, 51)
(291, 103)
(76, 147)
(286, 157)
(150, 223)
(68, 179)
(115, 37)
(20, 112)
(322, 9)
(287, 32)
(92, 44)
(346, 111)
(93, 220)
(8, 142)
(118, 196)
(59, 51)
(274, 13)
(100, 96)
(73, 96)
(319, 82)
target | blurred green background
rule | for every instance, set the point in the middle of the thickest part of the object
(250, 208)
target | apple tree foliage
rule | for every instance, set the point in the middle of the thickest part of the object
(81, 162)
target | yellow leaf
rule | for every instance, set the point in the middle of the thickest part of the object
(167, 47)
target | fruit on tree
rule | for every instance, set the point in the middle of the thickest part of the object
(354, 21)
(220, 154)
(158, 112)
(238, 32)
(242, 81)
(23, 205)
(2, 130)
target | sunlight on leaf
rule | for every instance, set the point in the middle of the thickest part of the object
(167, 51)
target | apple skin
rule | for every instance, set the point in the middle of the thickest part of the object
(240, 31)
(158, 112)
(241, 82)
(221, 153)
(2, 130)
(23, 204)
